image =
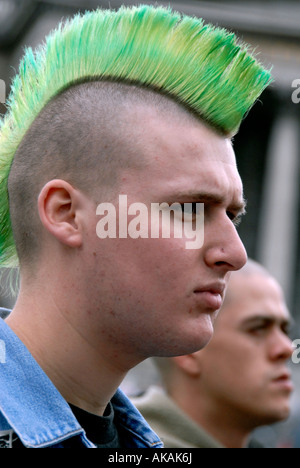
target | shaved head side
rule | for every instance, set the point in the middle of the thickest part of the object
(252, 268)
(83, 136)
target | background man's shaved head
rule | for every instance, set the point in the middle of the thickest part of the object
(252, 268)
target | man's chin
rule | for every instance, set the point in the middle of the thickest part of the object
(192, 340)
(275, 415)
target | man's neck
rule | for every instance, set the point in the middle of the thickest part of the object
(228, 434)
(86, 375)
(221, 424)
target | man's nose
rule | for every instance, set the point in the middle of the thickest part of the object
(225, 249)
(281, 347)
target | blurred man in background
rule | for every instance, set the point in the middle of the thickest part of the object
(216, 397)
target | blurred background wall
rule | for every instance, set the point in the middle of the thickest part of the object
(267, 147)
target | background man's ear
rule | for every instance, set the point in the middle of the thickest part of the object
(58, 206)
(189, 364)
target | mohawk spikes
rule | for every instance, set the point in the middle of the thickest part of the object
(201, 66)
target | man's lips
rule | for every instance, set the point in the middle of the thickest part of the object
(284, 381)
(211, 295)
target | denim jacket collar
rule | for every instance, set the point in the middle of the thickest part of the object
(39, 415)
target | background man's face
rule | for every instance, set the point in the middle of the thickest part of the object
(244, 368)
(152, 286)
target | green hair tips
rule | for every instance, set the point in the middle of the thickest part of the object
(201, 66)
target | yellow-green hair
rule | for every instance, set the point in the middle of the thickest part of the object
(200, 66)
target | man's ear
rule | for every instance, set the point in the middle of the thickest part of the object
(58, 206)
(189, 364)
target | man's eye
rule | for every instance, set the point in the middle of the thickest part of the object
(259, 330)
(236, 220)
(287, 330)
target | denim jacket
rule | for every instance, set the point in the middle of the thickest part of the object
(32, 407)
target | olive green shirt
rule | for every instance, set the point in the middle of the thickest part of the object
(172, 425)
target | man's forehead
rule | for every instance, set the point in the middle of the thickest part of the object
(194, 138)
(210, 183)
(238, 318)
(170, 125)
(172, 151)
(254, 298)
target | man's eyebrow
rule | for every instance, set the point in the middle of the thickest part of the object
(211, 198)
(288, 321)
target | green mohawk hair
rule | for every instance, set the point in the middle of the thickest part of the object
(201, 66)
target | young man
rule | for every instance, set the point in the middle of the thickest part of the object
(115, 104)
(215, 398)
